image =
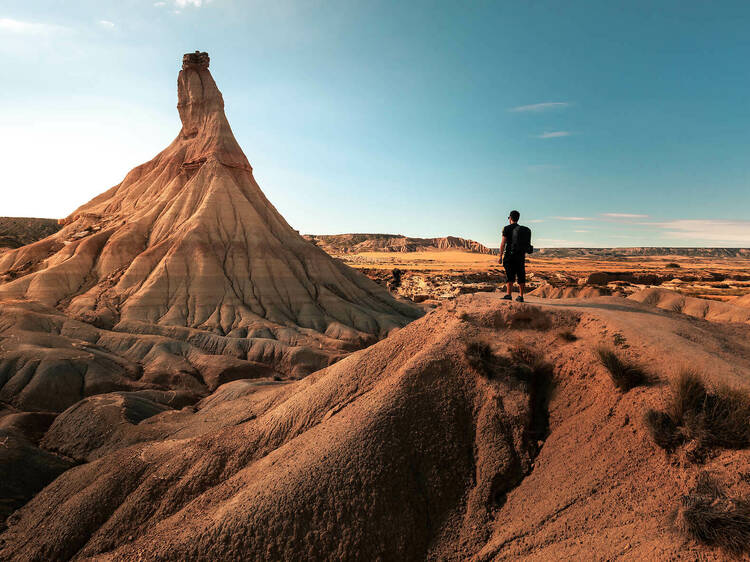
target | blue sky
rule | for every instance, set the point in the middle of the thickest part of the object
(604, 123)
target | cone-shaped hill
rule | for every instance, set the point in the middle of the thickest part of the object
(188, 244)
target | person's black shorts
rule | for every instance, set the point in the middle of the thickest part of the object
(515, 268)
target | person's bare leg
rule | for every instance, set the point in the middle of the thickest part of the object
(521, 287)
(510, 288)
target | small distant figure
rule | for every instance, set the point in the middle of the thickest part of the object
(516, 243)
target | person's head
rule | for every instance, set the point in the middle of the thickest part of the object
(514, 216)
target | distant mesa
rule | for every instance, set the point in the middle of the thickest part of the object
(356, 243)
(645, 251)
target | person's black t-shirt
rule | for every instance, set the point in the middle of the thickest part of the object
(508, 235)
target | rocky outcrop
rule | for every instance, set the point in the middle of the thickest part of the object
(604, 277)
(188, 248)
(549, 291)
(180, 279)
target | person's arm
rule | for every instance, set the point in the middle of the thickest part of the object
(502, 247)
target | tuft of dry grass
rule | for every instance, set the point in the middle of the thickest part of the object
(718, 418)
(480, 356)
(568, 335)
(663, 429)
(538, 376)
(708, 515)
(652, 299)
(678, 306)
(625, 374)
(523, 354)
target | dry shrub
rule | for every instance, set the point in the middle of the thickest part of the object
(568, 335)
(708, 515)
(537, 375)
(524, 355)
(652, 299)
(516, 318)
(480, 356)
(664, 431)
(718, 418)
(526, 367)
(678, 306)
(625, 374)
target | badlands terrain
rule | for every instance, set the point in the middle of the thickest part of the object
(184, 377)
(718, 274)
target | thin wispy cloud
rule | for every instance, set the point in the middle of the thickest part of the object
(581, 231)
(624, 216)
(571, 218)
(106, 24)
(28, 28)
(536, 220)
(734, 232)
(160, 4)
(539, 107)
(553, 134)
(193, 3)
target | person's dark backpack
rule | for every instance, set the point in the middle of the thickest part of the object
(520, 242)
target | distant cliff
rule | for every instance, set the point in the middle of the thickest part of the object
(356, 243)
(19, 231)
(646, 251)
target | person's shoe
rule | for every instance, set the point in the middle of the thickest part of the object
(519, 299)
(507, 298)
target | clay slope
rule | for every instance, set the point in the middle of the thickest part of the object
(716, 311)
(353, 243)
(549, 291)
(744, 300)
(187, 247)
(415, 448)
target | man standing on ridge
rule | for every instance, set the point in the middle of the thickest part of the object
(516, 243)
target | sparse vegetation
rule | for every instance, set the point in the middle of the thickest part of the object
(663, 430)
(625, 374)
(531, 368)
(523, 354)
(568, 335)
(525, 366)
(652, 299)
(480, 356)
(678, 306)
(673, 265)
(708, 515)
(719, 418)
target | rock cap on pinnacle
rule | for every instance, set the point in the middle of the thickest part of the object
(197, 60)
